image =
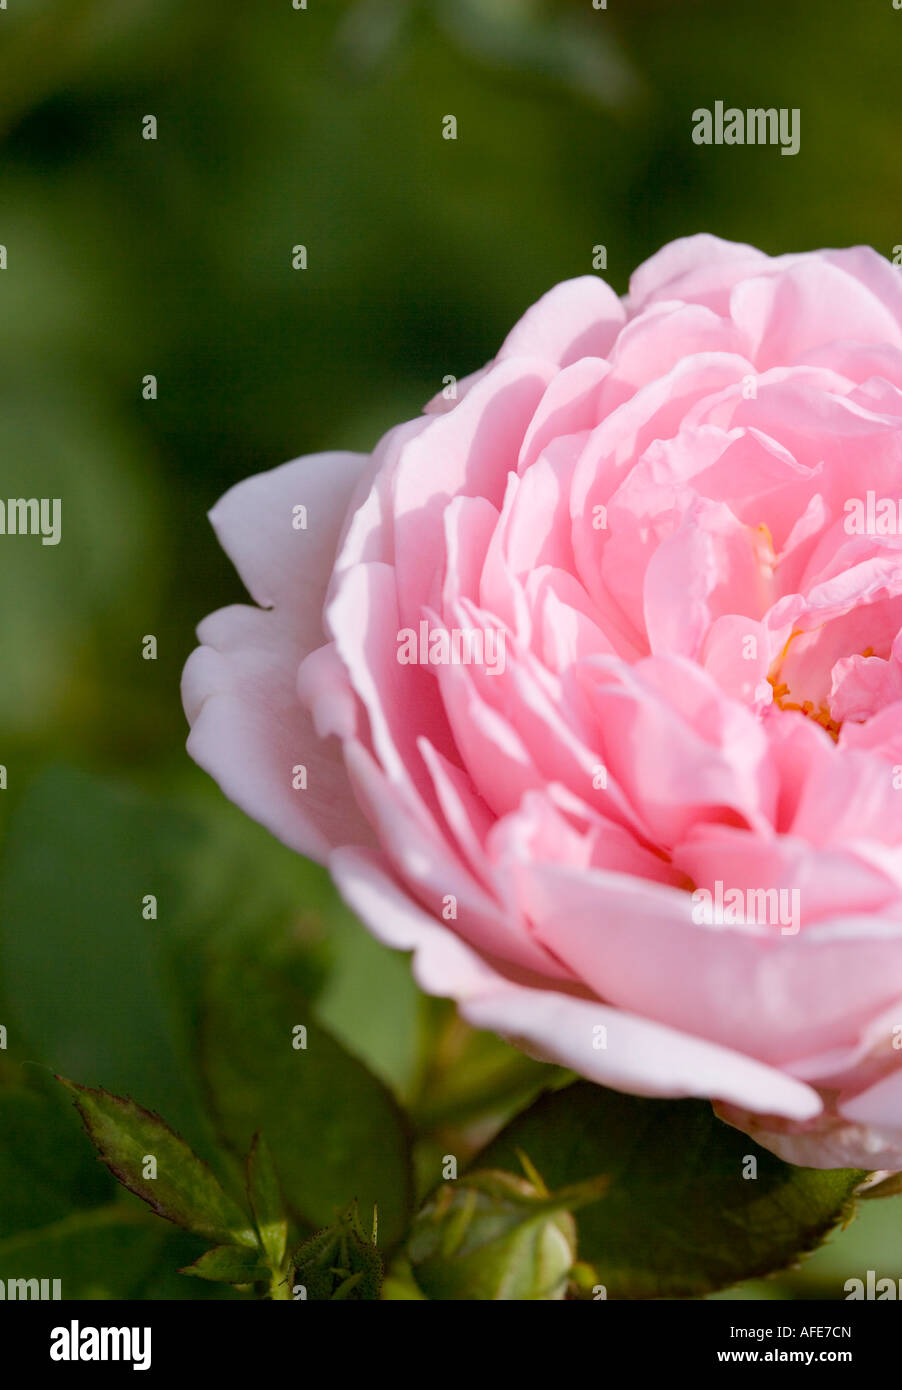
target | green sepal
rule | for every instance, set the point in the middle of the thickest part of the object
(340, 1262)
(265, 1197)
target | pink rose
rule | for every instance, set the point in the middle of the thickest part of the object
(587, 687)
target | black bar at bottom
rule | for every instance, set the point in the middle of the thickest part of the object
(254, 1339)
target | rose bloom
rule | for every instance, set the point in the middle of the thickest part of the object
(648, 513)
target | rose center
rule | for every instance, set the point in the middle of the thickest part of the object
(820, 713)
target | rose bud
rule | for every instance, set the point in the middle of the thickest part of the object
(494, 1235)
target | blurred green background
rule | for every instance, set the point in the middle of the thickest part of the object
(128, 257)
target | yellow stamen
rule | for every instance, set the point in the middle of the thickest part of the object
(820, 714)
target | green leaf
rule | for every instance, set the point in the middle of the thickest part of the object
(62, 1215)
(86, 988)
(183, 1190)
(124, 1010)
(266, 1201)
(228, 1264)
(872, 1241)
(679, 1219)
(334, 1129)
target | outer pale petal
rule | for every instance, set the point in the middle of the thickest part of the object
(640, 1057)
(811, 303)
(746, 987)
(832, 1143)
(278, 564)
(249, 729)
(578, 318)
(700, 268)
